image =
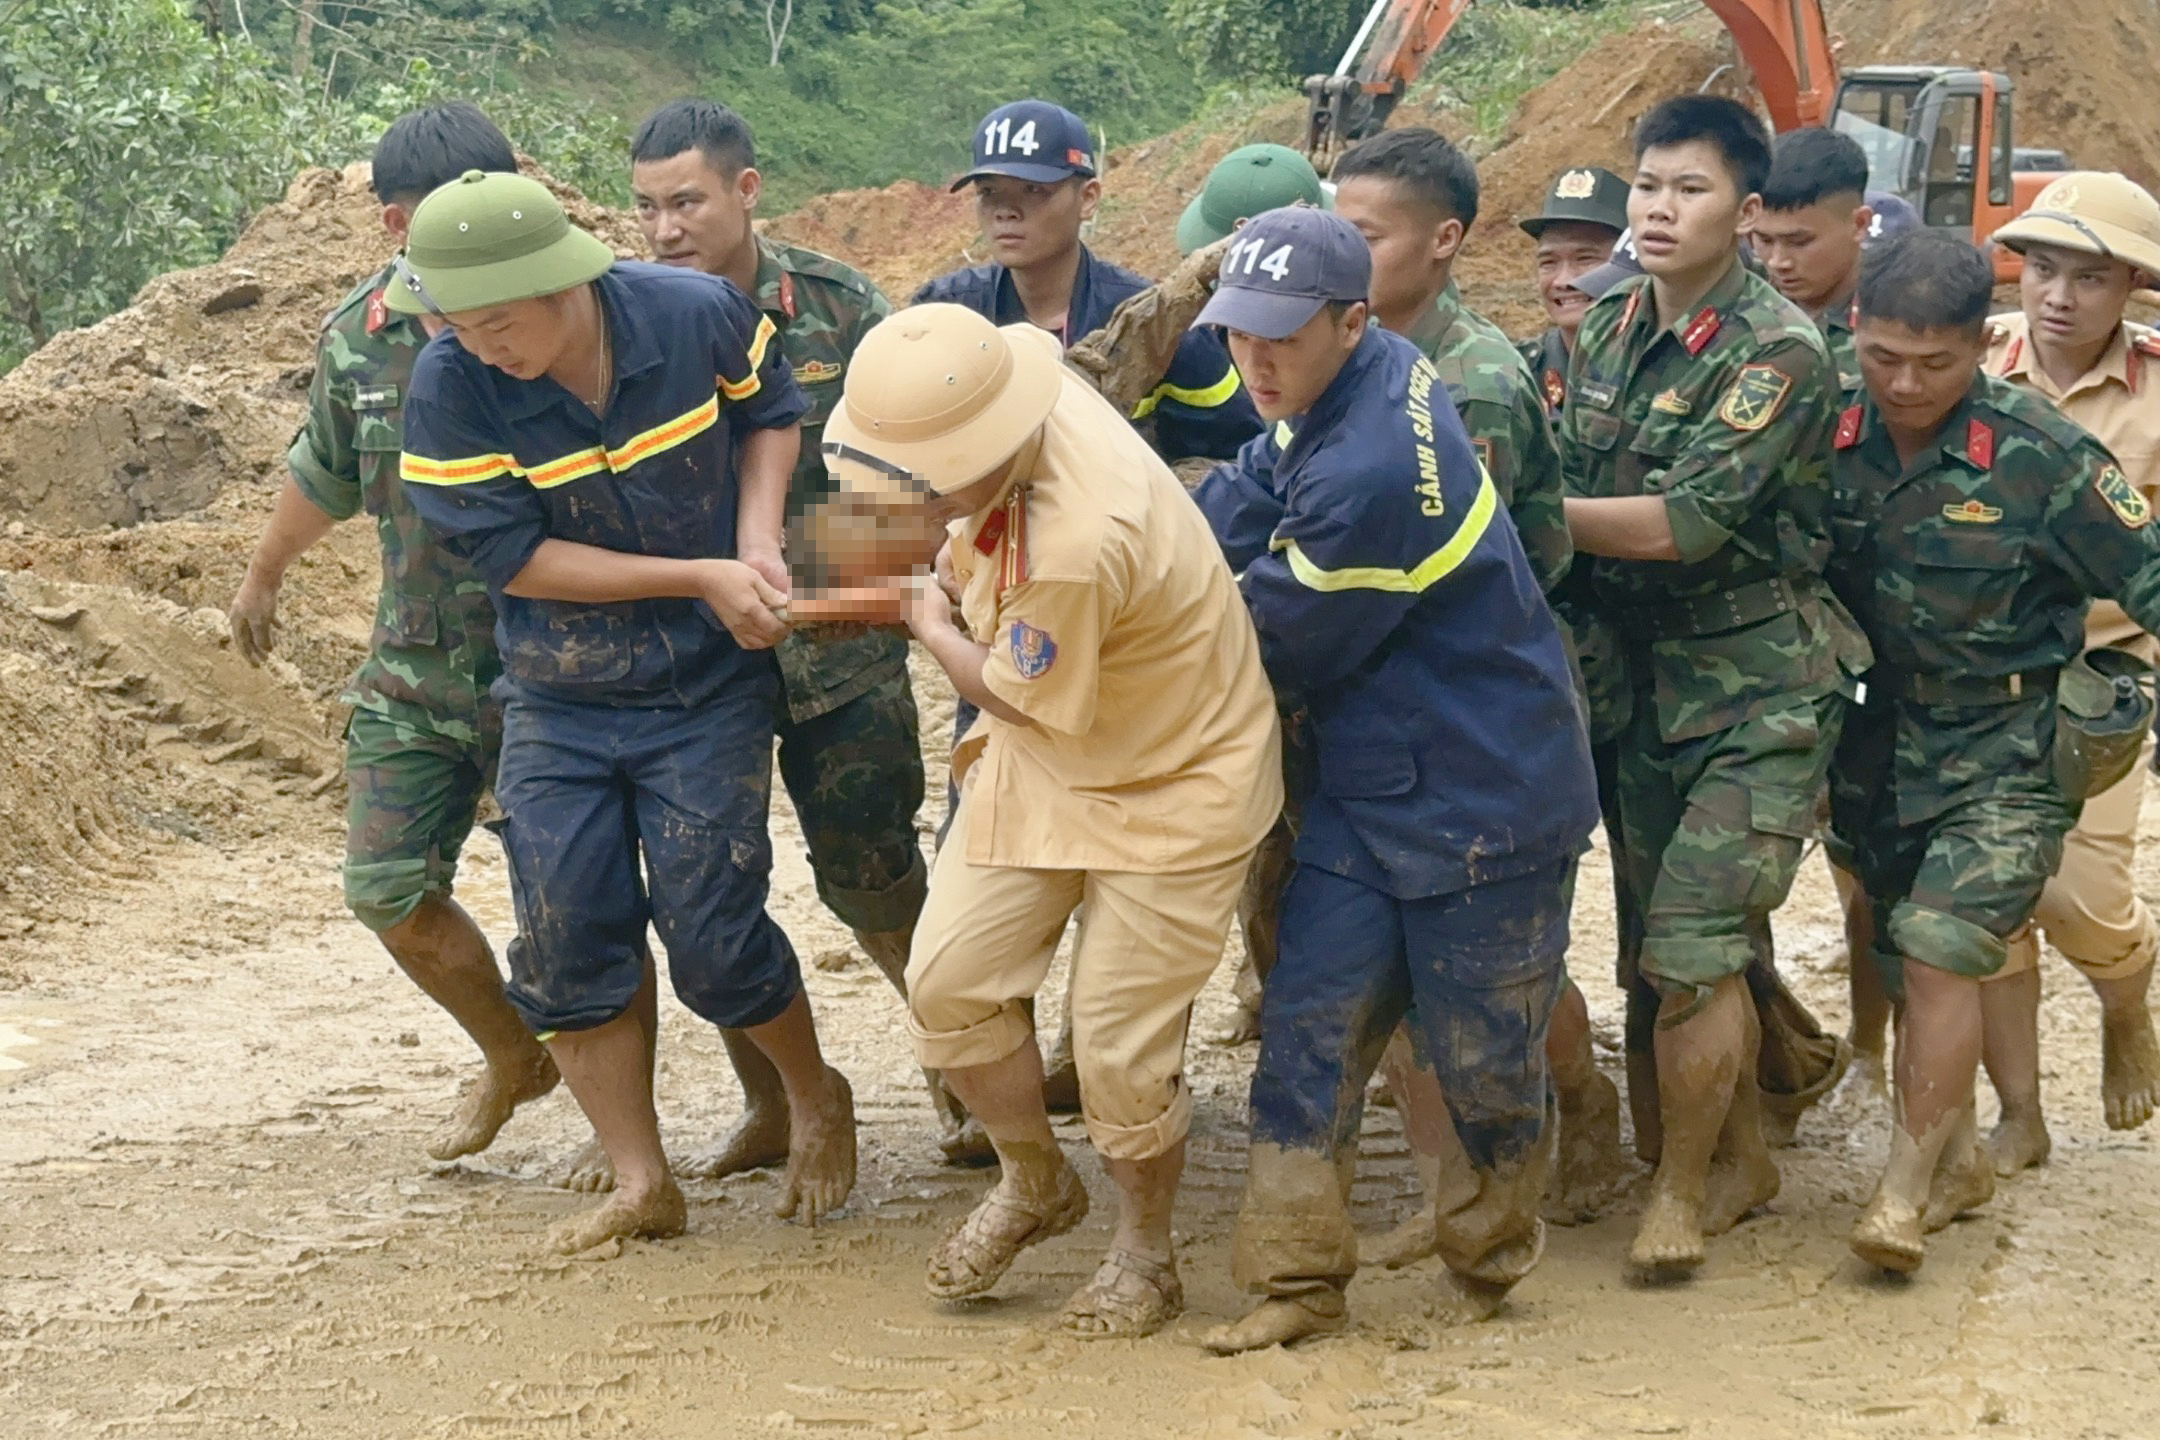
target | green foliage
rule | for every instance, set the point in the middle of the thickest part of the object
(1274, 40)
(1500, 52)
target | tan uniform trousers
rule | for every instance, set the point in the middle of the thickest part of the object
(1146, 946)
(2090, 910)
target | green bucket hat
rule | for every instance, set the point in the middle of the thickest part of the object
(1249, 181)
(487, 239)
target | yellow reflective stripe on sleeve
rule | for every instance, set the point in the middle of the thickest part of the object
(744, 389)
(419, 470)
(1217, 394)
(568, 468)
(1430, 570)
(665, 437)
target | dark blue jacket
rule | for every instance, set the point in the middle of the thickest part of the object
(496, 465)
(1200, 408)
(1394, 602)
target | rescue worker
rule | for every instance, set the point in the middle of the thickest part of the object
(1437, 852)
(2088, 241)
(1696, 435)
(1973, 521)
(1817, 219)
(1126, 759)
(1575, 231)
(602, 441)
(1413, 196)
(1251, 180)
(850, 752)
(420, 747)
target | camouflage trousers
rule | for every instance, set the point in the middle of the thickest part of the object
(855, 775)
(1952, 889)
(1715, 828)
(413, 788)
(1478, 972)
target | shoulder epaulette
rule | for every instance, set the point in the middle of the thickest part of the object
(1980, 443)
(1702, 330)
(1848, 428)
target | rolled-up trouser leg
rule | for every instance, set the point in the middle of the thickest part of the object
(1338, 990)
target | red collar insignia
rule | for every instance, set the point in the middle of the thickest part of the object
(787, 295)
(378, 312)
(1702, 330)
(1555, 390)
(1848, 428)
(1634, 303)
(1980, 444)
(993, 530)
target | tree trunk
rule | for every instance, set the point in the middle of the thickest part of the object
(303, 45)
(22, 301)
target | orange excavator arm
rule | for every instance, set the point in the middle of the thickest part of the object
(1396, 40)
(1786, 44)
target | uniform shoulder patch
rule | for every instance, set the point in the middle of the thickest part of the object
(1756, 397)
(2129, 504)
(1848, 428)
(1033, 651)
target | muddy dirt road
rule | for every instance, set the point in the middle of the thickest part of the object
(218, 1222)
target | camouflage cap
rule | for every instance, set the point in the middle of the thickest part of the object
(2095, 212)
(488, 239)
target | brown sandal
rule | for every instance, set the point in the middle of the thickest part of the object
(1109, 1308)
(973, 1258)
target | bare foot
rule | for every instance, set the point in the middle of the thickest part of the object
(2129, 1070)
(1888, 1234)
(1959, 1187)
(1591, 1167)
(1464, 1301)
(1277, 1322)
(653, 1215)
(1242, 1027)
(1866, 1083)
(488, 1103)
(1736, 1187)
(758, 1141)
(2019, 1142)
(1406, 1244)
(1129, 1298)
(590, 1172)
(976, 1255)
(1670, 1237)
(821, 1154)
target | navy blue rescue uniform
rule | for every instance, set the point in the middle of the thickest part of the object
(1454, 793)
(632, 727)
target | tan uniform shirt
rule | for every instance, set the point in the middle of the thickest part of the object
(2118, 401)
(1116, 627)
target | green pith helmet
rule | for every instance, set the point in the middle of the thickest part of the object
(1249, 181)
(488, 239)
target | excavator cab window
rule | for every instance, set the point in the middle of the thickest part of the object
(1877, 115)
(1944, 164)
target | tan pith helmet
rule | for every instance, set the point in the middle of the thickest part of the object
(2097, 212)
(940, 392)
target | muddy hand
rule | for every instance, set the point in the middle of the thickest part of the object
(253, 620)
(747, 604)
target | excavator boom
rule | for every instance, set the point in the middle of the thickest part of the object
(1786, 44)
(1396, 40)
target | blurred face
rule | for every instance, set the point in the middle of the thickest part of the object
(1027, 223)
(694, 216)
(1686, 210)
(1287, 377)
(1812, 254)
(523, 339)
(1917, 377)
(2073, 301)
(1568, 249)
(1412, 244)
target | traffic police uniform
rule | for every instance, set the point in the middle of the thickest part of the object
(637, 729)
(1454, 793)
(421, 745)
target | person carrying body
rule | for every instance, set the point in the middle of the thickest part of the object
(1436, 853)
(421, 745)
(610, 444)
(1973, 521)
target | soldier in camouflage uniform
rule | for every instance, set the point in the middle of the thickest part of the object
(850, 754)
(1973, 522)
(1575, 231)
(1696, 437)
(422, 740)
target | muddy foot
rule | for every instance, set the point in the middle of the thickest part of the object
(1669, 1240)
(758, 1141)
(1131, 1297)
(1888, 1235)
(2129, 1071)
(654, 1215)
(1958, 1188)
(976, 1256)
(1866, 1083)
(488, 1103)
(821, 1154)
(1591, 1166)
(590, 1172)
(1736, 1188)
(1464, 1301)
(1276, 1322)
(2019, 1143)
(1241, 1028)
(1406, 1244)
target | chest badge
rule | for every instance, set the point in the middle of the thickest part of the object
(1973, 512)
(375, 397)
(1597, 396)
(816, 372)
(2129, 504)
(1671, 402)
(1033, 651)
(1755, 398)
